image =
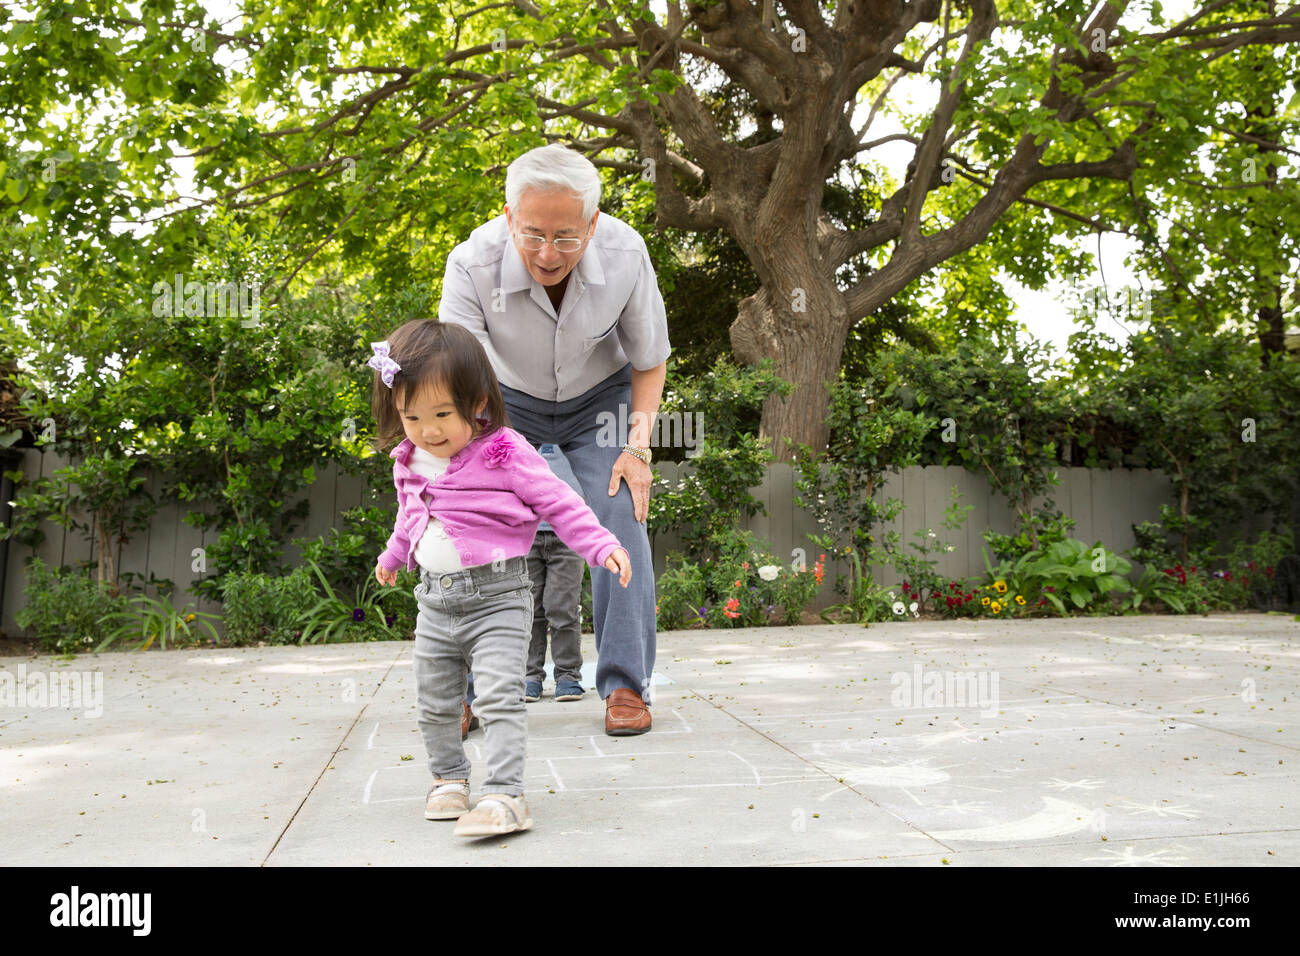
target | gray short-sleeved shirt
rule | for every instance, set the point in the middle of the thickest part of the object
(611, 313)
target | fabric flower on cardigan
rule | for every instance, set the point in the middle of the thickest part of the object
(498, 451)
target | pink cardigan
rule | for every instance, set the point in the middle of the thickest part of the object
(489, 501)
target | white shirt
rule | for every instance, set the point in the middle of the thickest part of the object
(435, 551)
(611, 313)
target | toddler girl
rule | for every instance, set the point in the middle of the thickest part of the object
(471, 492)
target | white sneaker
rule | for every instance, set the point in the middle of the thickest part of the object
(495, 814)
(446, 800)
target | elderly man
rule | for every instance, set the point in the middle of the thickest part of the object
(565, 303)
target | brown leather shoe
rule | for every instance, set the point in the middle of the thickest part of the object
(626, 713)
(468, 721)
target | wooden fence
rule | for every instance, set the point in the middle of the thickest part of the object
(1105, 503)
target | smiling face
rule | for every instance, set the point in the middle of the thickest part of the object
(554, 214)
(433, 424)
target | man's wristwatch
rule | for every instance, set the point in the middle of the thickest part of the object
(635, 452)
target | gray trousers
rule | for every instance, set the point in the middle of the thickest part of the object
(556, 573)
(481, 618)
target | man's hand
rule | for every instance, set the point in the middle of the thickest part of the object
(620, 564)
(639, 477)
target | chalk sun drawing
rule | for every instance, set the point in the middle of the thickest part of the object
(1128, 857)
(1175, 810)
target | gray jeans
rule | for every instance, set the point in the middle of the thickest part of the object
(476, 618)
(556, 573)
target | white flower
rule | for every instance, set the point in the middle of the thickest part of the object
(768, 572)
(950, 548)
(913, 610)
(931, 535)
(898, 606)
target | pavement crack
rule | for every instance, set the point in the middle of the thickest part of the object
(338, 747)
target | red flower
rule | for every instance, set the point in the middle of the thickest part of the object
(1268, 571)
(745, 565)
(731, 608)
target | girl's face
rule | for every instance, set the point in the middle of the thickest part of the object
(432, 422)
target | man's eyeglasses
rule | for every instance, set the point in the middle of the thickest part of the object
(534, 243)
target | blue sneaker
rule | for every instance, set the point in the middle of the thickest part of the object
(568, 690)
(532, 691)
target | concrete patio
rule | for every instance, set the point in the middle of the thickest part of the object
(1161, 741)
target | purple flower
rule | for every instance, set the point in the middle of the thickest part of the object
(498, 451)
(358, 615)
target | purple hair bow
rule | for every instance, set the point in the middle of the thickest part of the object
(381, 363)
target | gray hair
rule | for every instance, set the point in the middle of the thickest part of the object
(551, 168)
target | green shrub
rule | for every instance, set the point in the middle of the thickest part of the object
(1047, 525)
(265, 607)
(681, 598)
(65, 610)
(156, 619)
(743, 586)
(713, 496)
(1068, 570)
(338, 617)
(347, 556)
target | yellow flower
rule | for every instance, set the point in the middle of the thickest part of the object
(1001, 586)
(1020, 599)
(995, 607)
(188, 618)
(984, 601)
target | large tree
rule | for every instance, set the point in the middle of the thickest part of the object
(384, 131)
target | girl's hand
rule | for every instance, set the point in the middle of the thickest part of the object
(620, 564)
(385, 576)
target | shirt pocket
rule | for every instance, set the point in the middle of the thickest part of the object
(591, 341)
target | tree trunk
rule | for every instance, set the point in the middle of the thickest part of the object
(802, 329)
